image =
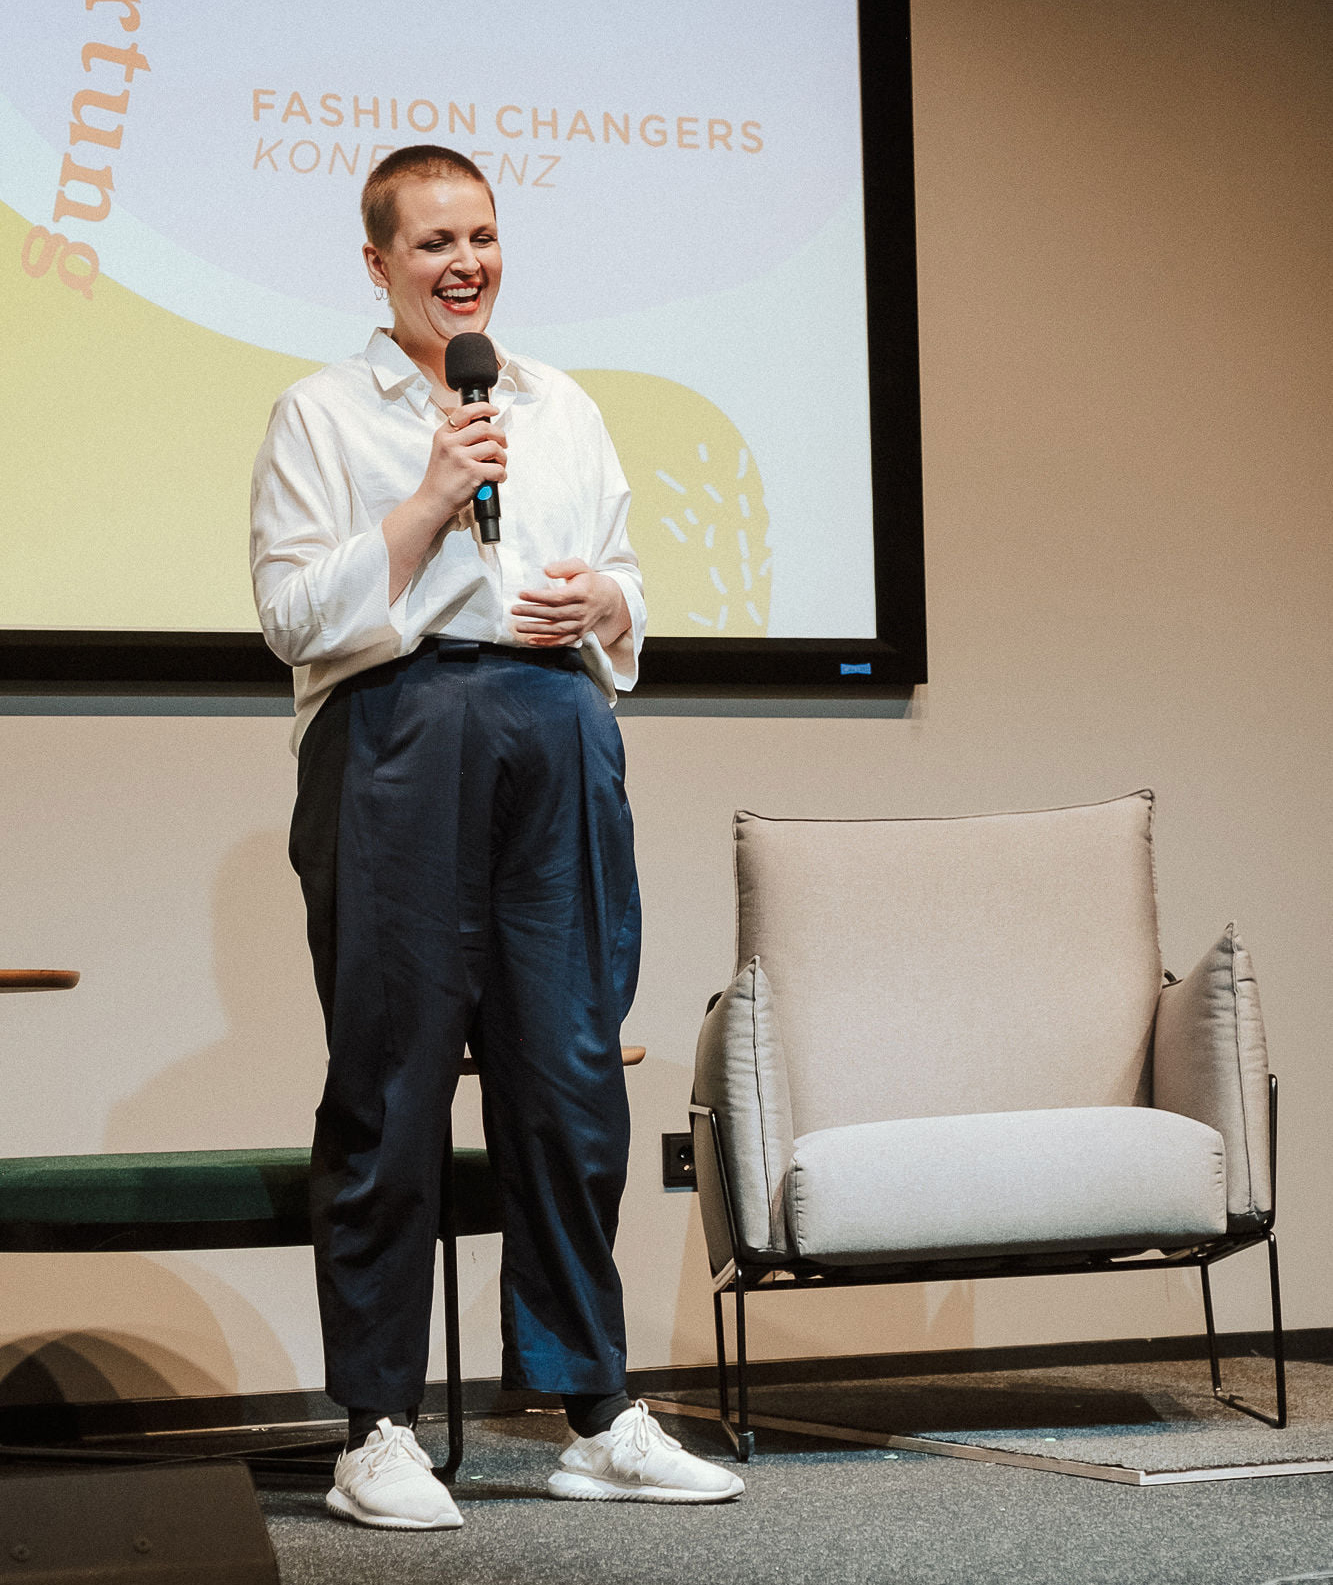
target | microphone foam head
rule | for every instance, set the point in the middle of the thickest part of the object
(469, 360)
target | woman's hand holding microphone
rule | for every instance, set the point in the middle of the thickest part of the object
(466, 452)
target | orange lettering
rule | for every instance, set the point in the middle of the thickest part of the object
(130, 59)
(751, 142)
(303, 170)
(51, 246)
(56, 249)
(579, 128)
(518, 174)
(378, 153)
(372, 112)
(130, 21)
(76, 280)
(114, 104)
(296, 109)
(332, 106)
(262, 153)
(658, 138)
(719, 133)
(420, 125)
(500, 114)
(550, 163)
(70, 172)
(687, 127)
(610, 125)
(349, 164)
(553, 121)
(467, 122)
(261, 99)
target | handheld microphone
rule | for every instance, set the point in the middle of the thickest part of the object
(470, 369)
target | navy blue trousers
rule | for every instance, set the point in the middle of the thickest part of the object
(466, 852)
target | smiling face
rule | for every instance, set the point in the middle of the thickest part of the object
(442, 269)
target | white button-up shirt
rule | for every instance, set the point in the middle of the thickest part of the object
(348, 444)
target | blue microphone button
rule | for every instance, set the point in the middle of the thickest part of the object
(485, 493)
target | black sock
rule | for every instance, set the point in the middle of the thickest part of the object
(591, 1412)
(361, 1422)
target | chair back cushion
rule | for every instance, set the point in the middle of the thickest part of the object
(1210, 1061)
(741, 1072)
(937, 967)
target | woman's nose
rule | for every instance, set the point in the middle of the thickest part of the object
(465, 260)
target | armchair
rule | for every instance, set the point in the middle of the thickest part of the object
(949, 1052)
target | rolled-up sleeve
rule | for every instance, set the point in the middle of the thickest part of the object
(320, 568)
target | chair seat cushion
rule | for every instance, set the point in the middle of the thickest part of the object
(44, 1200)
(1101, 1177)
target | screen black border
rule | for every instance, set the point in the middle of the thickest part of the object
(895, 659)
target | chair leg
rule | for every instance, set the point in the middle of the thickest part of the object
(744, 1436)
(738, 1432)
(719, 1332)
(1278, 1420)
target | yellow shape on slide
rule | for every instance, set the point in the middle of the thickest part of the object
(697, 519)
(129, 435)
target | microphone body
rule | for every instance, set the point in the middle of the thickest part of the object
(470, 368)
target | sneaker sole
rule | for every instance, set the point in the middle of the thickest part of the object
(571, 1487)
(341, 1506)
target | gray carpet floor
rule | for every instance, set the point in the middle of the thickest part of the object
(824, 1512)
(1151, 1417)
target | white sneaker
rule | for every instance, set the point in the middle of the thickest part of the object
(388, 1483)
(636, 1461)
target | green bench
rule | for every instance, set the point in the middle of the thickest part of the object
(217, 1199)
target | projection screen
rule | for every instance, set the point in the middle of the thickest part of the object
(681, 199)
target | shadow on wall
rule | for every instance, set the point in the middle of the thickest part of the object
(260, 1083)
(85, 1367)
(121, 1326)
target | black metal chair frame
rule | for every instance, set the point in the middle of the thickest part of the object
(296, 1457)
(740, 1276)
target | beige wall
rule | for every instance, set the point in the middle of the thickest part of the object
(1124, 238)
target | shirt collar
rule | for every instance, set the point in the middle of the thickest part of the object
(397, 375)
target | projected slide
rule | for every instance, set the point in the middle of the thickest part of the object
(679, 201)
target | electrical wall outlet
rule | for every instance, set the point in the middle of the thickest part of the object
(678, 1161)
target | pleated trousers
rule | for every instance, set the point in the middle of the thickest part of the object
(465, 848)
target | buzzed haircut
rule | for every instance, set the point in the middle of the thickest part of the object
(379, 197)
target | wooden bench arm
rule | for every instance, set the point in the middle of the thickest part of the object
(631, 1056)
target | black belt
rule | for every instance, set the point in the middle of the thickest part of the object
(559, 658)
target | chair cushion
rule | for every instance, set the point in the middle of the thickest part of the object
(1006, 1182)
(980, 964)
(45, 1199)
(740, 1071)
(1210, 1062)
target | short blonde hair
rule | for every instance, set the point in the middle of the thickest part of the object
(379, 197)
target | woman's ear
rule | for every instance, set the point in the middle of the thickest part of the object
(375, 265)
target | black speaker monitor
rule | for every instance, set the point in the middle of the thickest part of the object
(196, 1524)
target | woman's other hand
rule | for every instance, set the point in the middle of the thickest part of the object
(583, 602)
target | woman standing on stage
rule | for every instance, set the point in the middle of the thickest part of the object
(464, 846)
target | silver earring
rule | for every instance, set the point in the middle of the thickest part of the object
(381, 292)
